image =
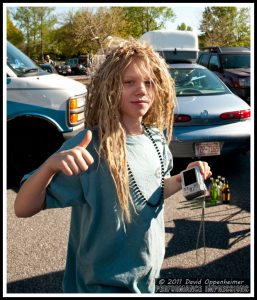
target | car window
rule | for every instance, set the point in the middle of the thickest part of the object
(18, 61)
(234, 61)
(194, 82)
(214, 63)
(203, 59)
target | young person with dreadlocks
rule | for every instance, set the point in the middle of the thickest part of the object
(115, 175)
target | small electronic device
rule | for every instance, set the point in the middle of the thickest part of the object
(193, 184)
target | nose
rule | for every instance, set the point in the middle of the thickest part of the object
(141, 88)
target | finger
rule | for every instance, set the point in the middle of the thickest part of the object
(66, 169)
(87, 157)
(205, 170)
(86, 139)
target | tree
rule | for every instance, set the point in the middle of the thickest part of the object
(87, 30)
(184, 27)
(14, 35)
(225, 26)
(36, 23)
(143, 19)
(81, 32)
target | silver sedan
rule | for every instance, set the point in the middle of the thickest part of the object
(209, 119)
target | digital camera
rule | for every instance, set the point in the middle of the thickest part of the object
(193, 184)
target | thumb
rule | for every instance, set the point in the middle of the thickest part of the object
(86, 139)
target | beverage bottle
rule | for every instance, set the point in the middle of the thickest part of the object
(215, 192)
(223, 182)
(220, 188)
(226, 194)
(210, 187)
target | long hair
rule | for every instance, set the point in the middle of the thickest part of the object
(103, 109)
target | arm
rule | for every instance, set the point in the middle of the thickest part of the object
(173, 183)
(31, 196)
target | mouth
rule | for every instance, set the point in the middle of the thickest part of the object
(139, 102)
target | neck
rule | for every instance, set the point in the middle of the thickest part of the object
(133, 128)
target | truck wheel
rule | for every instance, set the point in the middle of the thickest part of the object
(26, 152)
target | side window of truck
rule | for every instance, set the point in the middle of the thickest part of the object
(214, 63)
(203, 60)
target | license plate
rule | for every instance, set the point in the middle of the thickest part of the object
(207, 149)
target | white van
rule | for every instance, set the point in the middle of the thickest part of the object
(173, 45)
(43, 110)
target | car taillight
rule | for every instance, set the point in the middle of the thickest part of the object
(181, 118)
(239, 114)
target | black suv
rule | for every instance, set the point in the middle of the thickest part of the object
(232, 65)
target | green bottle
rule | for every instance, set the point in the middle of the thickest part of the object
(214, 192)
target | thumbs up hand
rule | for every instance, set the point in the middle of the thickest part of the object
(72, 161)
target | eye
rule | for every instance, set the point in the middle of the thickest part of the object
(148, 82)
(128, 82)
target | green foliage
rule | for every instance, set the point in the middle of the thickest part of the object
(143, 19)
(225, 26)
(14, 35)
(36, 24)
(184, 27)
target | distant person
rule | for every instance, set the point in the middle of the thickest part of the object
(36, 60)
(115, 174)
(48, 60)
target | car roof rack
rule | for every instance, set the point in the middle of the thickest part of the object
(221, 49)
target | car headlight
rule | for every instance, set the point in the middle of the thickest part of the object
(244, 82)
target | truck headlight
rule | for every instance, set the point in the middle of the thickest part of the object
(76, 106)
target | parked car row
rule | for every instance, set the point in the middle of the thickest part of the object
(231, 65)
(209, 118)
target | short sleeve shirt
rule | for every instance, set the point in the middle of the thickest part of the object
(104, 254)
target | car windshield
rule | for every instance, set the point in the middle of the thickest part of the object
(196, 81)
(235, 61)
(19, 62)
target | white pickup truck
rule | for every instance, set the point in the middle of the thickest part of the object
(43, 110)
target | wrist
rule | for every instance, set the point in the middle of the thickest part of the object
(47, 168)
(178, 178)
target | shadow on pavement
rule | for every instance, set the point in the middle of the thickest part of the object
(48, 283)
(217, 236)
(218, 269)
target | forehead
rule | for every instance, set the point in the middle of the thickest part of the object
(137, 67)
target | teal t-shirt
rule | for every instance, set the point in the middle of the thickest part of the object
(105, 255)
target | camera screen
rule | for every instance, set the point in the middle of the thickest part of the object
(189, 177)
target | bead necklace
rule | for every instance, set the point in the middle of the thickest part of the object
(132, 181)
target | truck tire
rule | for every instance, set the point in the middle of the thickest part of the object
(29, 144)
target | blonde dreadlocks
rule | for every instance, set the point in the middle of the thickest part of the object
(103, 105)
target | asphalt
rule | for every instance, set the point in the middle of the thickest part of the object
(36, 247)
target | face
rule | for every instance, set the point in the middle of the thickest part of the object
(137, 93)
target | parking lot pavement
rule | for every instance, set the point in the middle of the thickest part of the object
(36, 247)
(223, 250)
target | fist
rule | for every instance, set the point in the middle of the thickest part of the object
(72, 161)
